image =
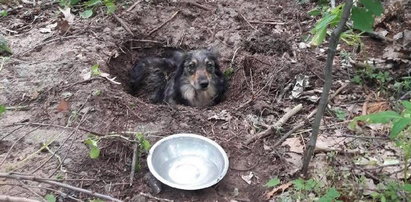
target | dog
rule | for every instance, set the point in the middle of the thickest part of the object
(193, 78)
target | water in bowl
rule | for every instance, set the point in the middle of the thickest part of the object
(190, 170)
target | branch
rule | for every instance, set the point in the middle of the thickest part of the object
(277, 125)
(15, 199)
(335, 36)
(31, 178)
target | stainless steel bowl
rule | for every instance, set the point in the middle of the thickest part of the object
(187, 161)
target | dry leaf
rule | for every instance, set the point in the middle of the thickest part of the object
(67, 15)
(377, 107)
(282, 187)
(63, 26)
(247, 178)
(63, 106)
(294, 144)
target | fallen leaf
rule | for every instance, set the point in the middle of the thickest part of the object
(63, 106)
(282, 187)
(247, 178)
(295, 145)
(377, 107)
(222, 116)
(67, 15)
(63, 26)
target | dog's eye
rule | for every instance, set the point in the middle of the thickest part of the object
(210, 66)
(191, 67)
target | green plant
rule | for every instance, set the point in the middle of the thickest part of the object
(2, 109)
(402, 85)
(392, 191)
(273, 182)
(90, 6)
(95, 70)
(340, 114)
(3, 13)
(371, 76)
(50, 198)
(94, 151)
(400, 131)
(362, 15)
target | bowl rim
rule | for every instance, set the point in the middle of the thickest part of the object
(189, 187)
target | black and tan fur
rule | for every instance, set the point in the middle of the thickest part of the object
(193, 78)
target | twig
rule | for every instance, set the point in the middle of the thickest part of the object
(266, 22)
(15, 199)
(301, 124)
(164, 23)
(232, 59)
(11, 132)
(248, 22)
(376, 35)
(82, 82)
(122, 23)
(153, 197)
(57, 126)
(31, 178)
(44, 43)
(134, 162)
(133, 6)
(275, 126)
(30, 190)
(14, 144)
(197, 5)
(335, 36)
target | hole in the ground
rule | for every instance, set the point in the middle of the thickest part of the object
(132, 51)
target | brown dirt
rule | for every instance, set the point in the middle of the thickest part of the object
(42, 73)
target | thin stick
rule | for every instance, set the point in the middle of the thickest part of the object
(11, 132)
(248, 22)
(57, 126)
(155, 198)
(164, 23)
(335, 36)
(277, 125)
(267, 22)
(311, 114)
(123, 24)
(197, 5)
(133, 6)
(133, 163)
(14, 144)
(15, 199)
(44, 43)
(31, 178)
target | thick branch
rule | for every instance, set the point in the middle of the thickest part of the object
(335, 36)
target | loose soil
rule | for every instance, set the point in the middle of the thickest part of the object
(46, 76)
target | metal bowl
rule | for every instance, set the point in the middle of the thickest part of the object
(187, 161)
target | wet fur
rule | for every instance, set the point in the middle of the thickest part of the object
(170, 81)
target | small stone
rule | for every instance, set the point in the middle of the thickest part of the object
(106, 30)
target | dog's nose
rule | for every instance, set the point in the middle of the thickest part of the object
(204, 84)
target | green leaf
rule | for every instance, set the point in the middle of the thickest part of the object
(324, 22)
(146, 145)
(406, 104)
(374, 6)
(310, 184)
(362, 18)
(92, 3)
(86, 14)
(407, 188)
(379, 117)
(4, 47)
(319, 37)
(314, 12)
(95, 71)
(273, 182)
(4, 13)
(398, 126)
(50, 198)
(74, 2)
(111, 7)
(331, 195)
(298, 184)
(2, 109)
(94, 150)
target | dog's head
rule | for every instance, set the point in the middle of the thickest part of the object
(200, 67)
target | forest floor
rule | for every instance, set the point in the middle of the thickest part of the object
(53, 104)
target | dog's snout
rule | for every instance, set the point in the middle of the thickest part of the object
(204, 83)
